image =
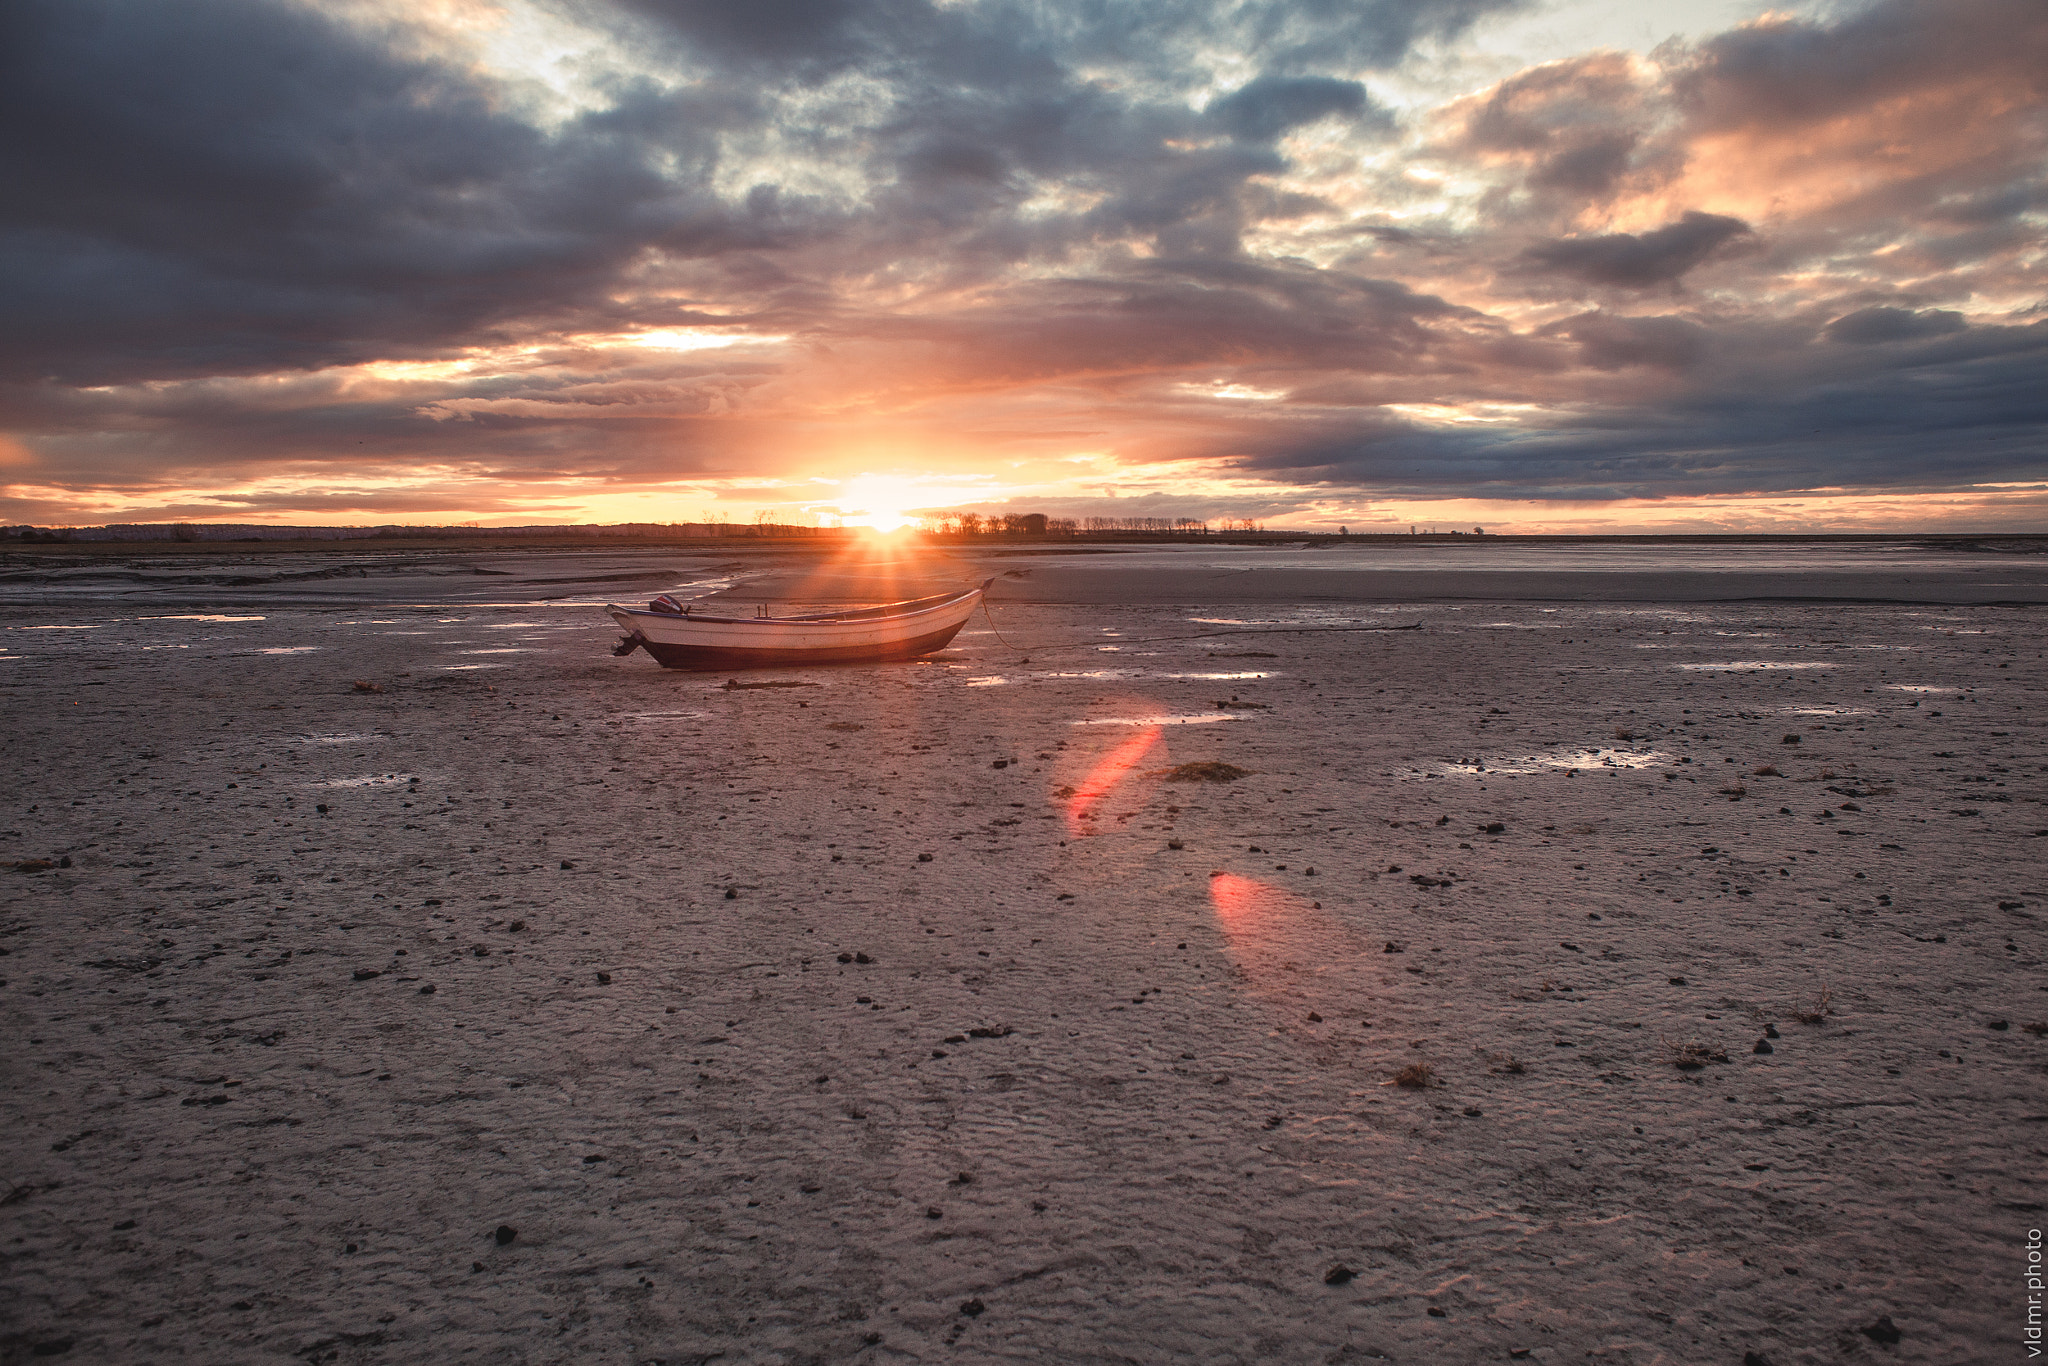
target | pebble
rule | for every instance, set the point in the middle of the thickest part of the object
(504, 1235)
(1339, 1274)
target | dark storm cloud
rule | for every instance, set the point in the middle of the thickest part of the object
(228, 185)
(237, 185)
(1607, 342)
(1271, 105)
(1868, 326)
(1633, 261)
(1956, 410)
(1798, 72)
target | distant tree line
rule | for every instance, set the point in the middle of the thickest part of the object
(971, 525)
(189, 532)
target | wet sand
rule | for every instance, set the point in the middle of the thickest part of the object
(914, 1014)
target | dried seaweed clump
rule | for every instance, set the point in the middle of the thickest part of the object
(1416, 1076)
(1208, 771)
(1691, 1057)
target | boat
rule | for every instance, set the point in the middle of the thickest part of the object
(680, 636)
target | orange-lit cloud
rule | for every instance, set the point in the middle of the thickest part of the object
(634, 261)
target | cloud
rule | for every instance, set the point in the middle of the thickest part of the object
(1270, 106)
(1610, 342)
(366, 245)
(1869, 326)
(1631, 261)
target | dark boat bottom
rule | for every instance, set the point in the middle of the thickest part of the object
(705, 657)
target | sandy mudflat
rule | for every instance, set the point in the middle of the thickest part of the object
(562, 953)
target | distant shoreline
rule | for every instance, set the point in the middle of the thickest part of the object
(830, 540)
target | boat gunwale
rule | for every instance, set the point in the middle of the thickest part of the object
(892, 611)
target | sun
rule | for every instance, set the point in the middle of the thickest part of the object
(879, 502)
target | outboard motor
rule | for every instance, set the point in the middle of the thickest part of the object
(665, 603)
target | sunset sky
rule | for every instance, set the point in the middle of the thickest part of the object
(1563, 265)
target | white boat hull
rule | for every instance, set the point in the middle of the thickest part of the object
(698, 641)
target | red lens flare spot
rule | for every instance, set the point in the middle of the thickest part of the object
(1243, 903)
(1105, 778)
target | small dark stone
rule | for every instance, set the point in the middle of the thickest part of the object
(568, 863)
(934, 1212)
(65, 860)
(350, 1249)
(924, 858)
(1392, 947)
(1790, 740)
(1496, 828)
(242, 1306)
(1999, 1025)
(1314, 1018)
(846, 958)
(476, 1266)
(1884, 1330)
(604, 979)
(124, 1226)
(871, 1339)
(1770, 1031)
(862, 958)
(52, 1347)
(731, 894)
(1000, 763)
(938, 1052)
(973, 1308)
(1763, 1046)
(1339, 1274)
(516, 926)
(1436, 1313)
(1755, 1359)
(321, 808)
(365, 974)
(505, 1234)
(427, 990)
(1678, 981)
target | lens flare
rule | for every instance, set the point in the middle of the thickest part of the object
(1105, 778)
